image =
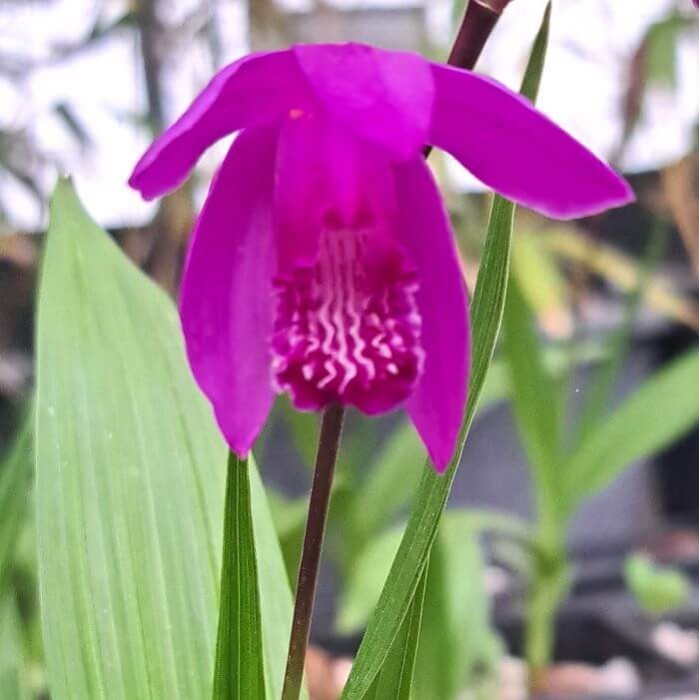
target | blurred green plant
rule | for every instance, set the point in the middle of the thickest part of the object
(14, 683)
(661, 47)
(15, 480)
(16, 582)
(569, 466)
(658, 590)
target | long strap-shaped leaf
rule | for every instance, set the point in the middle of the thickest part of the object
(239, 672)
(393, 682)
(487, 312)
(660, 411)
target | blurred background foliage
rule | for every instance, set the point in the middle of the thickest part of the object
(597, 371)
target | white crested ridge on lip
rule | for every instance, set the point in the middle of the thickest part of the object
(344, 334)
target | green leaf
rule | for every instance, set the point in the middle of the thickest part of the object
(275, 593)
(658, 590)
(486, 313)
(391, 480)
(13, 682)
(394, 680)
(289, 517)
(15, 481)
(458, 648)
(596, 404)
(130, 484)
(437, 667)
(363, 587)
(533, 393)
(129, 478)
(542, 283)
(661, 44)
(303, 428)
(651, 418)
(238, 670)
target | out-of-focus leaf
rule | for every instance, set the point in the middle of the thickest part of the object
(289, 517)
(13, 682)
(391, 480)
(658, 590)
(541, 283)
(621, 271)
(303, 428)
(25, 585)
(662, 409)
(661, 45)
(238, 669)
(556, 360)
(458, 647)
(598, 395)
(366, 579)
(414, 550)
(15, 480)
(457, 644)
(130, 483)
(533, 394)
(438, 668)
(372, 565)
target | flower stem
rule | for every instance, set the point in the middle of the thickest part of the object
(550, 579)
(479, 20)
(328, 444)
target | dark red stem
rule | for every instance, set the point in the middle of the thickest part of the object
(478, 22)
(326, 457)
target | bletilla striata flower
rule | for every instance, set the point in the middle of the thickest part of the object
(322, 263)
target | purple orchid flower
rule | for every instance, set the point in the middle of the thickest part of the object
(323, 263)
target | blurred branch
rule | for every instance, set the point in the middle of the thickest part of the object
(682, 203)
(17, 156)
(266, 24)
(622, 271)
(150, 32)
(175, 215)
(17, 67)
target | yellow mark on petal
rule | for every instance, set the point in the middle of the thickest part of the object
(296, 113)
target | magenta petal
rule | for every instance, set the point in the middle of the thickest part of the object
(383, 96)
(325, 178)
(438, 402)
(226, 304)
(511, 147)
(250, 91)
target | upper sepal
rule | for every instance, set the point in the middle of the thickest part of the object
(382, 96)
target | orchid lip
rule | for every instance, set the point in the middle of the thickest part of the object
(347, 331)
